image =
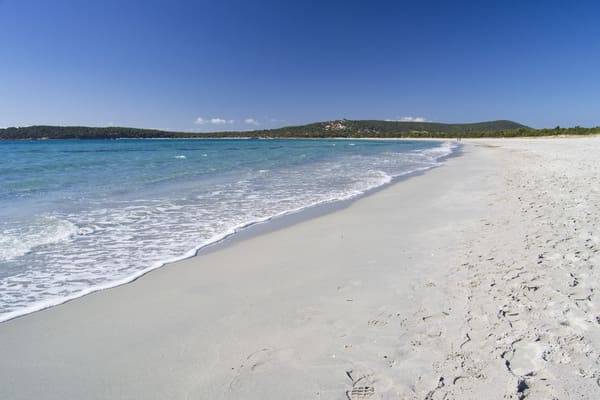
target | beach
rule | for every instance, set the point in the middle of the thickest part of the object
(475, 279)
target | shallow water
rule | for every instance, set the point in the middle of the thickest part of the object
(78, 216)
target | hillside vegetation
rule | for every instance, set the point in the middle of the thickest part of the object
(328, 129)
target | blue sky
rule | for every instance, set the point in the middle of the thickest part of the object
(214, 65)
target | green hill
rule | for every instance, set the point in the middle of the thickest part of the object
(376, 128)
(335, 128)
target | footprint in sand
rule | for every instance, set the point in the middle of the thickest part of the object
(362, 388)
(377, 323)
(525, 359)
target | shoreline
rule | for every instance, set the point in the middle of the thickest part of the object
(211, 315)
(474, 280)
(246, 230)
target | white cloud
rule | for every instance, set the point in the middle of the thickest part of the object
(408, 119)
(413, 119)
(221, 121)
(251, 121)
(213, 121)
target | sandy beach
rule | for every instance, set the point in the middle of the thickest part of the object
(474, 280)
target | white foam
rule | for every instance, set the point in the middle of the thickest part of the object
(16, 242)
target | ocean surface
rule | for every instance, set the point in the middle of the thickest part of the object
(79, 216)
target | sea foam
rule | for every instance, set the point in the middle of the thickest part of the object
(19, 240)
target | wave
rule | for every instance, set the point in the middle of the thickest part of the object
(18, 241)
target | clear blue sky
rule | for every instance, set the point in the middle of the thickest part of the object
(211, 65)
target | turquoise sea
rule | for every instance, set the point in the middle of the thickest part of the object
(79, 216)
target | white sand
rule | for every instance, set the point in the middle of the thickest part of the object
(475, 280)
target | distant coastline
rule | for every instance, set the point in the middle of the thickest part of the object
(329, 129)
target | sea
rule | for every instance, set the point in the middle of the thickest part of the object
(77, 216)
